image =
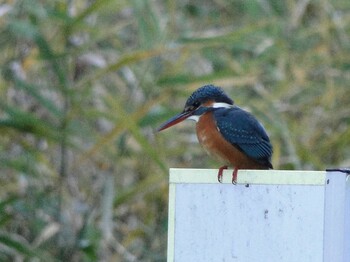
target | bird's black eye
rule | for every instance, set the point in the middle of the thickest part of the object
(191, 107)
(196, 104)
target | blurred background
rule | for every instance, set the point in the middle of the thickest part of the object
(84, 84)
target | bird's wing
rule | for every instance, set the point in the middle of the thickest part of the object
(242, 130)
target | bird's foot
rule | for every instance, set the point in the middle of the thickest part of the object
(221, 170)
(234, 176)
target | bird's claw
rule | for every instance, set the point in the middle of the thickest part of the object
(221, 170)
(234, 176)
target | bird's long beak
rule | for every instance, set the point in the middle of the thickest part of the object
(174, 120)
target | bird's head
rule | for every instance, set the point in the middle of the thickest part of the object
(198, 103)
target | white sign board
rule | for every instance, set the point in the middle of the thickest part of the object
(270, 215)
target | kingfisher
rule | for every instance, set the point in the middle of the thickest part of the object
(228, 133)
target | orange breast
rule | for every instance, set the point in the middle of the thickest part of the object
(215, 145)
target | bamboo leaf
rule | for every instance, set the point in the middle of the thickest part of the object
(17, 245)
(20, 246)
(93, 8)
(34, 92)
(132, 126)
(127, 59)
(28, 123)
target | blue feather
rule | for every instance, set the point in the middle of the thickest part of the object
(242, 130)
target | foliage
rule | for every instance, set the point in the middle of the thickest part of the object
(85, 83)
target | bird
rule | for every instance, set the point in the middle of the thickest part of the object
(227, 132)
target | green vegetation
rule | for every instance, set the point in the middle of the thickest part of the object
(84, 84)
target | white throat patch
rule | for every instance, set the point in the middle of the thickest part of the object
(194, 118)
(222, 105)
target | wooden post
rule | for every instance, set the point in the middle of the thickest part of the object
(270, 215)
